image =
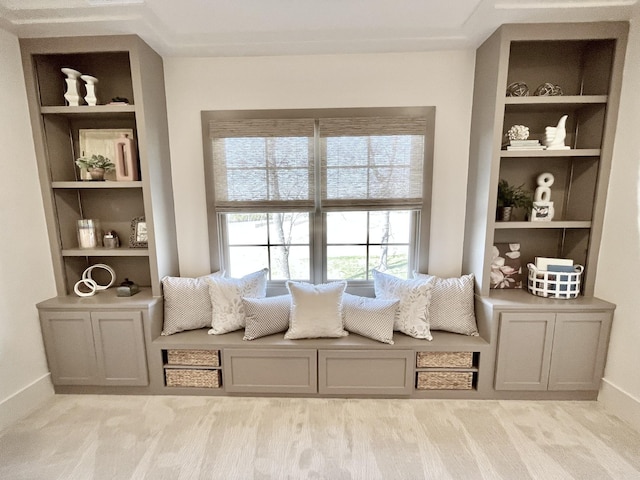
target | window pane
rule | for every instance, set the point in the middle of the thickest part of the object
(346, 227)
(346, 263)
(393, 260)
(279, 241)
(244, 260)
(290, 264)
(390, 227)
(289, 228)
(247, 228)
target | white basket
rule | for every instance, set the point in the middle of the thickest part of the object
(544, 283)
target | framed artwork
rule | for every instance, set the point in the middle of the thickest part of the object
(100, 141)
(506, 266)
(542, 212)
(138, 237)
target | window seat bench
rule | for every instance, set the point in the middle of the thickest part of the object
(194, 362)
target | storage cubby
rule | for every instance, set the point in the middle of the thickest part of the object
(112, 69)
(579, 67)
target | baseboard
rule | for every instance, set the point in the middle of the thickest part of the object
(620, 403)
(25, 401)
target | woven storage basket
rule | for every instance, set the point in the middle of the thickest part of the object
(205, 358)
(444, 359)
(445, 381)
(544, 283)
(192, 377)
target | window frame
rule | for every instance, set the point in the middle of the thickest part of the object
(317, 226)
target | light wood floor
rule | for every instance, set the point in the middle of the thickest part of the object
(88, 437)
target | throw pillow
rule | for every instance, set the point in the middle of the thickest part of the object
(226, 299)
(452, 305)
(414, 296)
(266, 316)
(370, 317)
(187, 304)
(316, 310)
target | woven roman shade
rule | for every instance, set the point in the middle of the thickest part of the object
(365, 163)
(372, 163)
(263, 164)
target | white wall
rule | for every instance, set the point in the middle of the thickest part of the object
(26, 272)
(619, 263)
(442, 79)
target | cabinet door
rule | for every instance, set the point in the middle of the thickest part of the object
(250, 370)
(120, 348)
(524, 351)
(68, 341)
(366, 372)
(579, 350)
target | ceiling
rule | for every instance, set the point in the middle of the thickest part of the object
(289, 27)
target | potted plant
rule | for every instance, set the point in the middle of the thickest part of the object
(96, 165)
(510, 197)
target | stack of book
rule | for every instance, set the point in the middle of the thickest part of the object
(525, 145)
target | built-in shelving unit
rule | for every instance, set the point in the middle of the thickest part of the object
(127, 68)
(100, 340)
(585, 60)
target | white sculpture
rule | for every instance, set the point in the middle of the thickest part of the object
(554, 136)
(90, 81)
(72, 96)
(543, 210)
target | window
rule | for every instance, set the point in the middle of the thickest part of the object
(319, 195)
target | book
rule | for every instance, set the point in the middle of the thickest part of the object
(523, 143)
(532, 147)
(542, 263)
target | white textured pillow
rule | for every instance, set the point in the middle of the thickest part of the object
(187, 304)
(452, 307)
(226, 299)
(414, 296)
(266, 316)
(316, 310)
(370, 317)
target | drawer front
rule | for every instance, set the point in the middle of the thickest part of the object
(444, 360)
(204, 358)
(365, 372)
(270, 370)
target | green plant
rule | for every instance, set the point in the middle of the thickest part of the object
(96, 161)
(510, 196)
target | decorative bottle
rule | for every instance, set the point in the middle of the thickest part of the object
(126, 159)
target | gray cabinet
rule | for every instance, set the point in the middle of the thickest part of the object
(95, 347)
(552, 351)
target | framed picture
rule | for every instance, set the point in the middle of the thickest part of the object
(542, 212)
(138, 237)
(506, 266)
(100, 141)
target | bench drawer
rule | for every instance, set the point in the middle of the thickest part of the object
(270, 370)
(369, 372)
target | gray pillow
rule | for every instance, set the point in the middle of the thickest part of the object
(452, 304)
(266, 316)
(187, 303)
(370, 317)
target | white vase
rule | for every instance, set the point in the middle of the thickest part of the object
(72, 95)
(90, 82)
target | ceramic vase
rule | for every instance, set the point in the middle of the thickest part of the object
(90, 82)
(126, 159)
(72, 95)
